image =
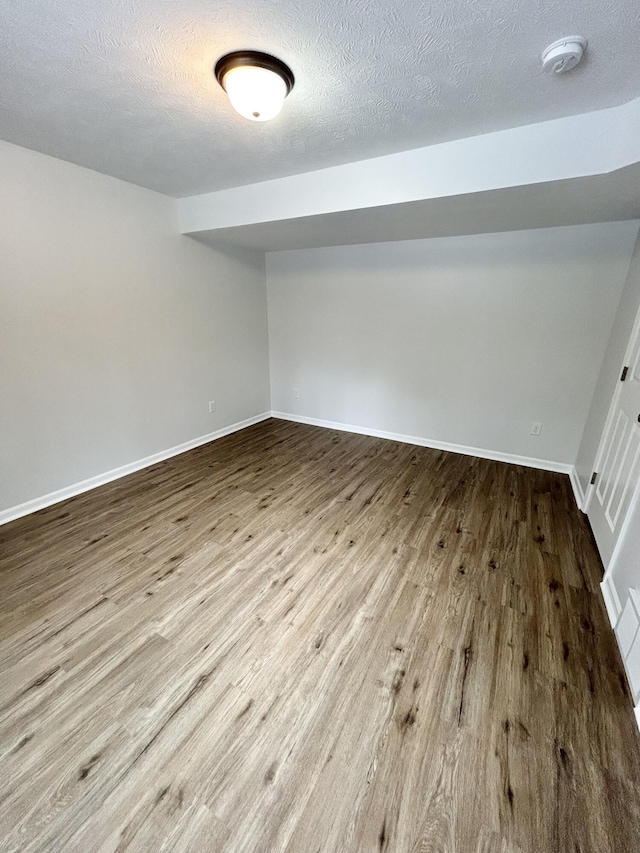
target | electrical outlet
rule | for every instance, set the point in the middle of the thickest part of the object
(296, 393)
(536, 428)
(212, 406)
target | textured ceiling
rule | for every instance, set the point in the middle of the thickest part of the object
(125, 86)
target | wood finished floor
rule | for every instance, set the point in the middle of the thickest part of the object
(295, 639)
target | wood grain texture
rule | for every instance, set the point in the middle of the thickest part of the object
(295, 639)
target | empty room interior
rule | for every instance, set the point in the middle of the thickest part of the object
(320, 426)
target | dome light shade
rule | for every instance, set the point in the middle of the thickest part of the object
(255, 83)
(255, 93)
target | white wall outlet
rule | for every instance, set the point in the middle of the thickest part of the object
(212, 406)
(296, 393)
(536, 428)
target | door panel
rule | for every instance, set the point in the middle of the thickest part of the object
(618, 461)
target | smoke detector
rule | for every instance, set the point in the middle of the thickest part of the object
(564, 54)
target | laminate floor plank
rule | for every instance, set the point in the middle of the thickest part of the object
(301, 640)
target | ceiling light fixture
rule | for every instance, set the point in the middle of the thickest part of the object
(256, 83)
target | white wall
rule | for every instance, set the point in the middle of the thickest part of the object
(115, 330)
(610, 370)
(467, 340)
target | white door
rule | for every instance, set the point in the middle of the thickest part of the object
(617, 467)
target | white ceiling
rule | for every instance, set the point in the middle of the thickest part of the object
(125, 86)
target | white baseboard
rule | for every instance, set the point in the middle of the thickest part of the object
(576, 485)
(611, 599)
(494, 455)
(115, 474)
(100, 480)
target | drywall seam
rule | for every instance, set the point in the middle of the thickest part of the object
(116, 473)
